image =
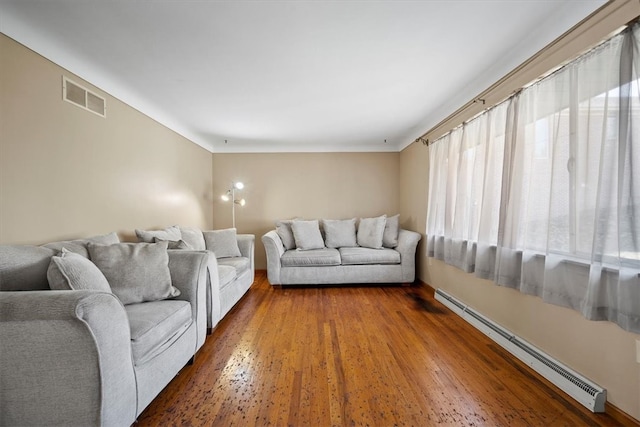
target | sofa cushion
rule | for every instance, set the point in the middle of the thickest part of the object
(155, 326)
(370, 232)
(193, 237)
(240, 264)
(283, 228)
(339, 233)
(136, 272)
(226, 275)
(169, 233)
(311, 258)
(71, 271)
(391, 231)
(307, 235)
(79, 246)
(24, 268)
(355, 256)
(224, 243)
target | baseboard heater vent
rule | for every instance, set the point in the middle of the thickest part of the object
(575, 385)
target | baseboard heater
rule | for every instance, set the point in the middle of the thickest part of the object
(590, 395)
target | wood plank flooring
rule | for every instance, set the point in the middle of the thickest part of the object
(356, 356)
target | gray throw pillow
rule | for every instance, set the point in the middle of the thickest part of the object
(137, 272)
(307, 235)
(223, 243)
(72, 272)
(193, 237)
(283, 228)
(391, 230)
(180, 244)
(370, 232)
(169, 233)
(339, 233)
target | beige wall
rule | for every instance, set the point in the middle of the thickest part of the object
(66, 172)
(601, 351)
(306, 185)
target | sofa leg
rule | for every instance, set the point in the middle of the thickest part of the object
(192, 360)
(278, 287)
(209, 331)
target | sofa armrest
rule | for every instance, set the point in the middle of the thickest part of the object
(407, 244)
(189, 273)
(66, 359)
(274, 250)
(246, 243)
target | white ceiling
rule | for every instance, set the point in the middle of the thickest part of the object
(273, 76)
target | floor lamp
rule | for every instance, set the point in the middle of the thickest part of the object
(230, 196)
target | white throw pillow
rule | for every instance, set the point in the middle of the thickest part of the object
(391, 230)
(307, 235)
(223, 243)
(370, 232)
(283, 228)
(194, 238)
(339, 233)
(137, 272)
(73, 272)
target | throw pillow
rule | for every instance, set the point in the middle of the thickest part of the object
(391, 230)
(137, 272)
(223, 243)
(307, 235)
(169, 233)
(340, 233)
(370, 232)
(71, 271)
(283, 228)
(193, 237)
(180, 244)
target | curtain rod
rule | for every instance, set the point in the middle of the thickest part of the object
(481, 98)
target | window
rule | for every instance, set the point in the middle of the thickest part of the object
(542, 192)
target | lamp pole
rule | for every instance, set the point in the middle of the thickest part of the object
(232, 192)
(233, 206)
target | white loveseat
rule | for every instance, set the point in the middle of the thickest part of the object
(372, 250)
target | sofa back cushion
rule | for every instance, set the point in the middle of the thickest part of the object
(307, 235)
(283, 228)
(224, 243)
(391, 231)
(339, 233)
(24, 268)
(371, 231)
(136, 272)
(70, 271)
(194, 238)
(79, 246)
(170, 233)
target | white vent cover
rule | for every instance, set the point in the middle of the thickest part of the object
(82, 97)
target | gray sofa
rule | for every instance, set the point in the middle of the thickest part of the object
(231, 271)
(82, 357)
(341, 256)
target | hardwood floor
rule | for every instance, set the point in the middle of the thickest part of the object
(376, 356)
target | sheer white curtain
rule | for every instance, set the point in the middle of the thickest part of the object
(542, 192)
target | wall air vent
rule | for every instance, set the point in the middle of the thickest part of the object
(82, 97)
